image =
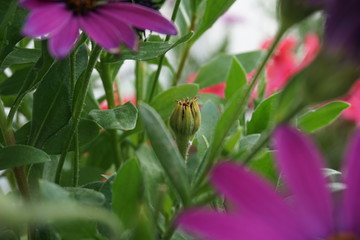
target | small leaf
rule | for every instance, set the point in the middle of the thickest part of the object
(127, 192)
(86, 196)
(166, 151)
(149, 50)
(236, 78)
(20, 155)
(20, 56)
(121, 118)
(262, 117)
(12, 85)
(322, 116)
(213, 10)
(165, 102)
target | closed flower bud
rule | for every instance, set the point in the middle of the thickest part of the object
(185, 122)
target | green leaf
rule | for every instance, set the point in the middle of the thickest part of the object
(263, 163)
(149, 50)
(101, 152)
(236, 79)
(262, 117)
(12, 18)
(12, 85)
(218, 69)
(121, 118)
(52, 103)
(165, 102)
(232, 113)
(166, 151)
(214, 9)
(86, 196)
(127, 193)
(20, 56)
(20, 155)
(322, 116)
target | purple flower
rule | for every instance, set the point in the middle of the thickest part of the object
(108, 23)
(343, 27)
(260, 213)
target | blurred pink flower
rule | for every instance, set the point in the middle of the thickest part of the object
(104, 105)
(109, 23)
(353, 112)
(218, 89)
(283, 65)
(260, 213)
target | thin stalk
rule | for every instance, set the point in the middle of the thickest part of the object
(161, 59)
(76, 161)
(9, 138)
(139, 80)
(185, 53)
(106, 78)
(77, 109)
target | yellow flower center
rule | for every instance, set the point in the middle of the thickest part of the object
(344, 236)
(81, 6)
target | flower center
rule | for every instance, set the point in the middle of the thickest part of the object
(344, 236)
(81, 6)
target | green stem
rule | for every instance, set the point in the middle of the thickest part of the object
(77, 109)
(183, 144)
(76, 161)
(19, 172)
(106, 78)
(161, 59)
(185, 53)
(139, 80)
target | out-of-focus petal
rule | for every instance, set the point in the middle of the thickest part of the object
(106, 33)
(301, 166)
(31, 4)
(140, 17)
(351, 206)
(61, 43)
(46, 20)
(253, 196)
(211, 225)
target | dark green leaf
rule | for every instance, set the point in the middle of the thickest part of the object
(20, 155)
(12, 85)
(121, 118)
(165, 102)
(86, 196)
(20, 56)
(166, 151)
(322, 116)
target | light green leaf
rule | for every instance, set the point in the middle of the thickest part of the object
(166, 151)
(127, 193)
(213, 10)
(236, 78)
(20, 155)
(121, 118)
(149, 50)
(322, 116)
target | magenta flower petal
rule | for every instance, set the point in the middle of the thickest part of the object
(105, 33)
(30, 4)
(351, 206)
(247, 191)
(212, 225)
(301, 165)
(61, 43)
(141, 17)
(46, 20)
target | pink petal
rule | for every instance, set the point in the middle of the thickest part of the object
(31, 4)
(351, 206)
(301, 166)
(62, 42)
(46, 20)
(211, 225)
(107, 34)
(140, 17)
(253, 196)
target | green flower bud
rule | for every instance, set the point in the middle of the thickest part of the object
(186, 118)
(185, 122)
